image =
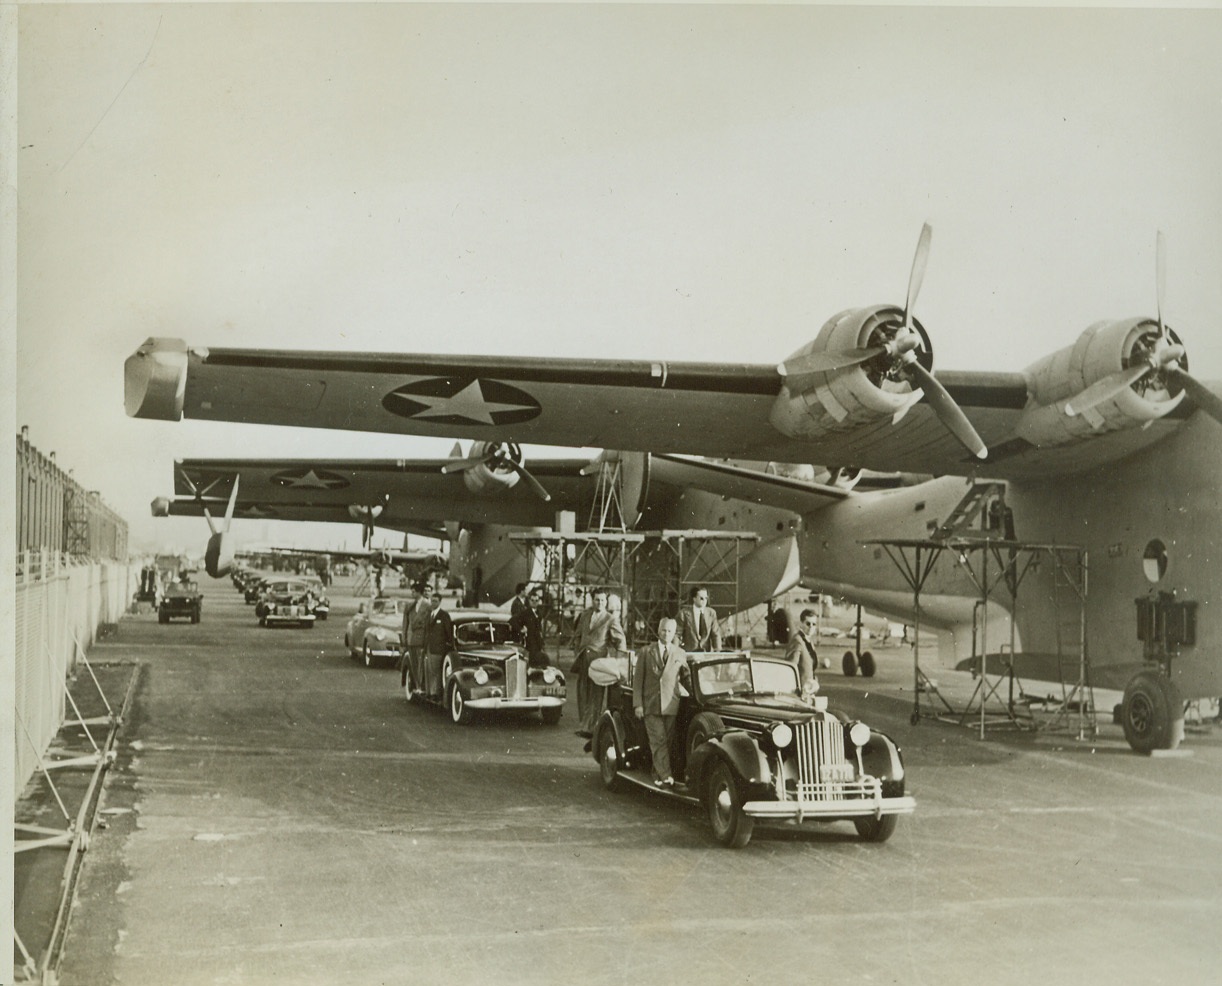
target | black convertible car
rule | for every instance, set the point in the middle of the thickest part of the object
(749, 746)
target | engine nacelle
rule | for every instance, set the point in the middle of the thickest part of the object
(488, 478)
(844, 400)
(1106, 348)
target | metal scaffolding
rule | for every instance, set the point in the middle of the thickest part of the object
(651, 571)
(996, 566)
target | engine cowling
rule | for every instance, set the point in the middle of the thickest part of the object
(1104, 349)
(492, 475)
(843, 400)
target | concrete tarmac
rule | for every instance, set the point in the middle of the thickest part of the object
(293, 820)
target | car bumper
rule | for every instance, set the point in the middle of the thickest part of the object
(271, 618)
(384, 650)
(531, 702)
(799, 811)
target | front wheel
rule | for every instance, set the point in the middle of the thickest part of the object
(732, 826)
(551, 714)
(368, 655)
(1152, 712)
(458, 706)
(609, 758)
(875, 829)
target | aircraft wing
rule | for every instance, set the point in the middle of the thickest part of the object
(403, 494)
(720, 410)
(796, 495)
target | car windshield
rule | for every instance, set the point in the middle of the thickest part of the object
(387, 607)
(742, 676)
(290, 588)
(182, 589)
(481, 632)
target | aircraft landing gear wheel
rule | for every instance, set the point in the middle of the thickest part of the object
(1152, 712)
(732, 826)
(915, 718)
(849, 664)
(609, 759)
(458, 706)
(868, 666)
(875, 829)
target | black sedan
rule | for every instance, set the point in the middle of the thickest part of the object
(487, 671)
(748, 746)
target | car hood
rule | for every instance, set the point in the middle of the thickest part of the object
(763, 708)
(491, 652)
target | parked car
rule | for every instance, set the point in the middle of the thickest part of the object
(254, 588)
(748, 746)
(487, 671)
(180, 599)
(375, 633)
(286, 601)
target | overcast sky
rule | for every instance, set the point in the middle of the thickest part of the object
(687, 182)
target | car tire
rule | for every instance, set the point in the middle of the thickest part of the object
(1152, 712)
(723, 803)
(551, 714)
(447, 671)
(262, 621)
(458, 706)
(163, 617)
(875, 829)
(702, 726)
(610, 758)
(868, 667)
(368, 655)
(849, 664)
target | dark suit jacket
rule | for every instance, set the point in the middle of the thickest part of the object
(527, 626)
(706, 636)
(438, 632)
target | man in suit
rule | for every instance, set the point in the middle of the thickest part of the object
(597, 629)
(661, 678)
(698, 629)
(414, 619)
(801, 651)
(526, 627)
(520, 599)
(438, 639)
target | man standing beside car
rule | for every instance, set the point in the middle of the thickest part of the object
(526, 627)
(698, 629)
(438, 639)
(414, 619)
(594, 628)
(801, 651)
(660, 680)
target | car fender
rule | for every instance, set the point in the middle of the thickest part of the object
(738, 749)
(881, 758)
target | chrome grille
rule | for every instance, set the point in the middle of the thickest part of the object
(515, 678)
(824, 774)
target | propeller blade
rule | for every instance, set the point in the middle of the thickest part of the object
(233, 501)
(1202, 396)
(533, 483)
(462, 465)
(1160, 275)
(913, 399)
(827, 362)
(1105, 389)
(919, 261)
(947, 410)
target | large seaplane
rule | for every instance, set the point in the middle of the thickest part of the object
(1108, 445)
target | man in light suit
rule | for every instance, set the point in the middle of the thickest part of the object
(801, 651)
(661, 678)
(698, 629)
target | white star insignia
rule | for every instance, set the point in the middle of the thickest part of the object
(310, 480)
(468, 403)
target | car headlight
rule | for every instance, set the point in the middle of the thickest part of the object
(781, 735)
(481, 676)
(859, 733)
(549, 675)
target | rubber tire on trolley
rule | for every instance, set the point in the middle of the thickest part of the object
(702, 726)
(458, 706)
(723, 803)
(1152, 712)
(609, 758)
(551, 714)
(849, 664)
(875, 829)
(868, 667)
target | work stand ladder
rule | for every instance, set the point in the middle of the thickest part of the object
(979, 538)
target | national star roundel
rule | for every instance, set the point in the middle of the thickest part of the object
(310, 479)
(462, 401)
